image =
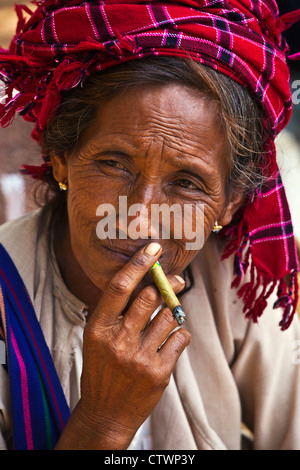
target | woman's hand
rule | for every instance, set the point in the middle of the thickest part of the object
(127, 360)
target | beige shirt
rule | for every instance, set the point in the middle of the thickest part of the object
(233, 371)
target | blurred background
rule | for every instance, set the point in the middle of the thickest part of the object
(17, 147)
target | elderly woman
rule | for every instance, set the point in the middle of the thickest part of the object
(175, 104)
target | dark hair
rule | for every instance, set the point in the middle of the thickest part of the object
(240, 118)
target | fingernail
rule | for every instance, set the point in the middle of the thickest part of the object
(180, 279)
(152, 249)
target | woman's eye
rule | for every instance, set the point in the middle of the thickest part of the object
(186, 184)
(114, 164)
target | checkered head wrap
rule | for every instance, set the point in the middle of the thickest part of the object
(64, 42)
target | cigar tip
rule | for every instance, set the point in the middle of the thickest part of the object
(179, 315)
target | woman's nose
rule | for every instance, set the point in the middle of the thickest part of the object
(137, 217)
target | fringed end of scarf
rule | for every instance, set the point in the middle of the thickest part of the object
(288, 296)
(284, 23)
(33, 88)
(288, 19)
(37, 172)
(256, 292)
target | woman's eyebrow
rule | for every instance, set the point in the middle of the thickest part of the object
(111, 152)
(111, 143)
(194, 164)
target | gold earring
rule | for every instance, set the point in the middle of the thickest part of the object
(217, 227)
(63, 186)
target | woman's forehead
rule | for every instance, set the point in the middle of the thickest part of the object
(172, 112)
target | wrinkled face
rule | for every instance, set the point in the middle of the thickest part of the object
(154, 146)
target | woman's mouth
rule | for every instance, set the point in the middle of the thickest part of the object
(118, 254)
(122, 255)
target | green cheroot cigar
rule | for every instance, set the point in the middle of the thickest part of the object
(164, 287)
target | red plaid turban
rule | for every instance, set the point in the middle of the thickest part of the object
(64, 42)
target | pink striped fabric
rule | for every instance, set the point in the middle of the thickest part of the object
(24, 393)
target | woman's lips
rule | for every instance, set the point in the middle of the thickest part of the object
(118, 255)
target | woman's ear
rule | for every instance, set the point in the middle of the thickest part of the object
(236, 199)
(59, 167)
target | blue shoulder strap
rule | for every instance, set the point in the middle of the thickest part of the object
(39, 407)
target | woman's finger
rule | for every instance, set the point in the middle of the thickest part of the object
(149, 299)
(158, 330)
(121, 286)
(173, 347)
